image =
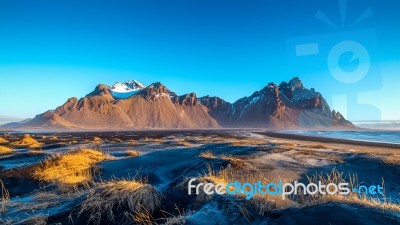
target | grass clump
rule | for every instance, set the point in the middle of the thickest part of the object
(208, 155)
(27, 141)
(97, 141)
(5, 150)
(335, 176)
(3, 141)
(70, 168)
(36, 220)
(234, 161)
(5, 197)
(119, 199)
(36, 151)
(132, 153)
(393, 160)
(145, 217)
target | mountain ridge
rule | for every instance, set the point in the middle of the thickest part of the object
(288, 105)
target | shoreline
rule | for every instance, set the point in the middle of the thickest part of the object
(328, 140)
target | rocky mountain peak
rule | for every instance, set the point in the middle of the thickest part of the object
(212, 102)
(188, 99)
(101, 90)
(296, 83)
(154, 91)
(273, 90)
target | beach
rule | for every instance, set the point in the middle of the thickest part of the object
(155, 166)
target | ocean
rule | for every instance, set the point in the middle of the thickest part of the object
(370, 136)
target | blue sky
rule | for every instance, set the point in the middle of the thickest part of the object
(52, 50)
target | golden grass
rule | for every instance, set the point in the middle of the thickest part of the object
(234, 141)
(3, 141)
(5, 150)
(143, 217)
(70, 168)
(261, 204)
(36, 151)
(108, 199)
(97, 141)
(153, 140)
(132, 153)
(247, 142)
(353, 198)
(234, 161)
(264, 203)
(182, 142)
(178, 219)
(53, 138)
(392, 160)
(220, 177)
(35, 146)
(27, 141)
(132, 142)
(117, 140)
(207, 155)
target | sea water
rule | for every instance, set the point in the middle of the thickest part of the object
(370, 136)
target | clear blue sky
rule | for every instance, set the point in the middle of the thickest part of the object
(52, 50)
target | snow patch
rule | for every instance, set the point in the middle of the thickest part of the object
(126, 89)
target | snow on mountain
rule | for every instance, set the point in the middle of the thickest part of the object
(126, 89)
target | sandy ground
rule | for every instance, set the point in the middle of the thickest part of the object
(169, 158)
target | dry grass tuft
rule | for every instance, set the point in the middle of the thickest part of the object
(97, 141)
(36, 220)
(132, 153)
(178, 219)
(247, 142)
(36, 151)
(5, 197)
(221, 177)
(207, 155)
(53, 138)
(392, 160)
(153, 140)
(3, 141)
(261, 205)
(27, 141)
(143, 217)
(353, 198)
(35, 146)
(70, 168)
(132, 142)
(234, 161)
(5, 150)
(117, 140)
(108, 199)
(182, 141)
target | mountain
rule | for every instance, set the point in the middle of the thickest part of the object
(289, 105)
(153, 106)
(132, 105)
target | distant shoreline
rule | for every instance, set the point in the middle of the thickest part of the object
(328, 140)
(269, 133)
